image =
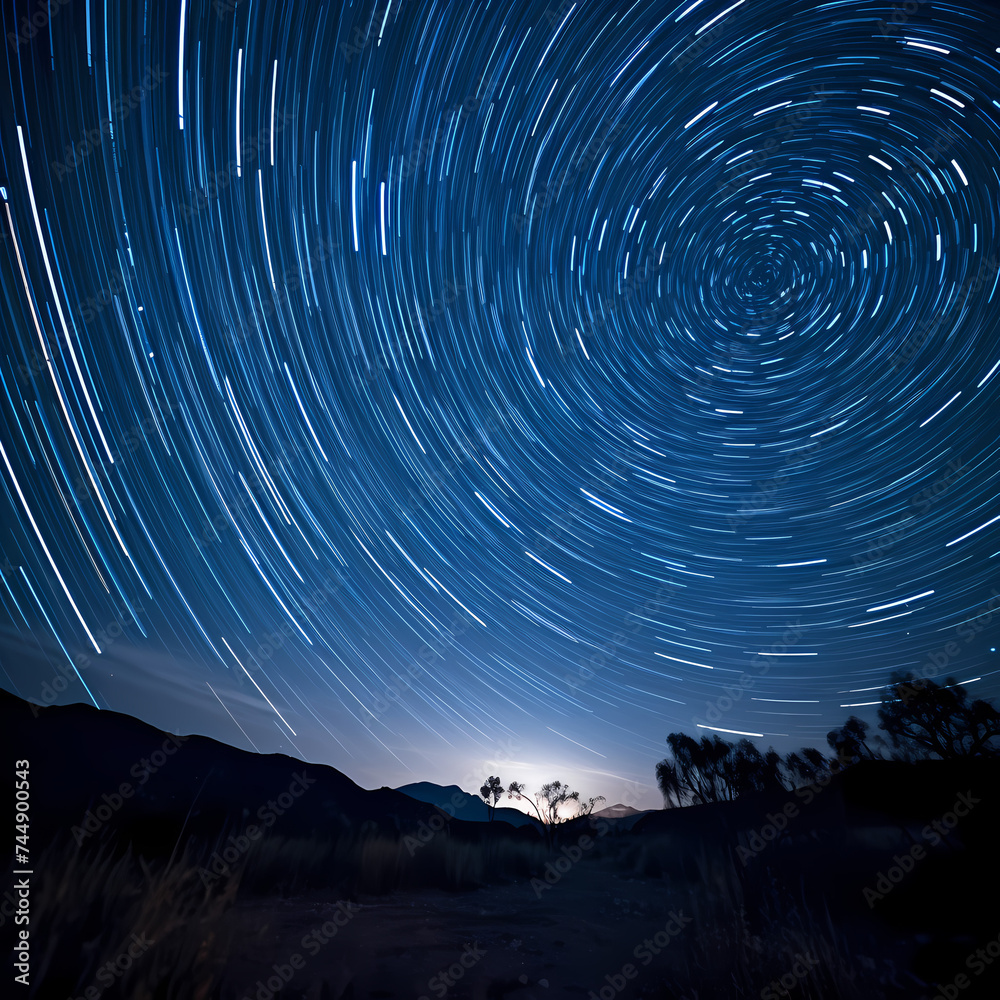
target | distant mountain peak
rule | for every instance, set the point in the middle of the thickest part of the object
(618, 810)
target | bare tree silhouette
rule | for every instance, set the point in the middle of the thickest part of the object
(548, 801)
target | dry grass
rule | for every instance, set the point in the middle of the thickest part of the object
(88, 905)
(376, 862)
(731, 955)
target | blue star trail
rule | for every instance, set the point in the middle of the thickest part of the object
(387, 384)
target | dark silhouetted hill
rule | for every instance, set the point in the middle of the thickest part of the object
(96, 772)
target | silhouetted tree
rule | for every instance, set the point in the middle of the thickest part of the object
(492, 789)
(925, 718)
(748, 770)
(670, 783)
(804, 767)
(516, 791)
(713, 770)
(552, 797)
(555, 795)
(697, 773)
(850, 740)
(772, 768)
(586, 810)
(694, 775)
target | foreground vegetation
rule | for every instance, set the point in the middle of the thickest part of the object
(157, 922)
(921, 720)
(91, 906)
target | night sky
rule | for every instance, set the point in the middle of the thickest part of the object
(442, 389)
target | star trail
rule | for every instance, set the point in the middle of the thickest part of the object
(394, 384)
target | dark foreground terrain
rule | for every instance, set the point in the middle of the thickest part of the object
(177, 867)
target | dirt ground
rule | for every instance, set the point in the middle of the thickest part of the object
(596, 933)
(512, 939)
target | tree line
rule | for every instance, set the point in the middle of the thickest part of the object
(920, 719)
(548, 802)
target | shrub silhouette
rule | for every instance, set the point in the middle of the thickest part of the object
(849, 740)
(552, 797)
(714, 770)
(922, 719)
(927, 719)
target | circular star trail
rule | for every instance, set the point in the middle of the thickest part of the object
(392, 381)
